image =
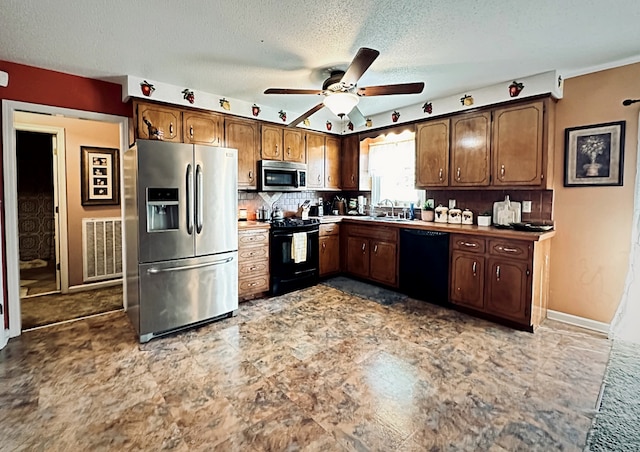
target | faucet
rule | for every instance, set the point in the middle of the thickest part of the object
(388, 201)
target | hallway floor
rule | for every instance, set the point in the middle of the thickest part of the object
(47, 309)
(318, 369)
(38, 279)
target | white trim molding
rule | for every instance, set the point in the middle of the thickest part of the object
(582, 322)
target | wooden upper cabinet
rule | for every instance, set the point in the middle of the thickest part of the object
(271, 142)
(432, 154)
(203, 128)
(293, 146)
(332, 163)
(157, 122)
(518, 145)
(315, 160)
(244, 136)
(470, 149)
(349, 167)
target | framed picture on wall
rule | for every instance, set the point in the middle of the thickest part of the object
(100, 176)
(594, 155)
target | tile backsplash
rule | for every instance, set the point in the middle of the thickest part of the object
(475, 200)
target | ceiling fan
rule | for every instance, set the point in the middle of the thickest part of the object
(341, 94)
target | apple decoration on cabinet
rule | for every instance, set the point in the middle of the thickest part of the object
(515, 88)
(466, 100)
(188, 95)
(306, 122)
(395, 116)
(147, 88)
(255, 110)
(283, 115)
(224, 103)
(329, 125)
(350, 126)
(427, 107)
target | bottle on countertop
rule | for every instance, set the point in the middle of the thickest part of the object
(320, 207)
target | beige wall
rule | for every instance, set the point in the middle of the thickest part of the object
(78, 132)
(590, 252)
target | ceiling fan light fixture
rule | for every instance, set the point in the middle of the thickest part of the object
(341, 103)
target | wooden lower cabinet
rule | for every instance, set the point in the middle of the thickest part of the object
(501, 277)
(467, 279)
(372, 253)
(253, 262)
(329, 249)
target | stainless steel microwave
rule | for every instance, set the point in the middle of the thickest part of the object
(275, 175)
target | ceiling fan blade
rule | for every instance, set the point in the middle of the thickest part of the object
(292, 91)
(305, 115)
(359, 65)
(356, 117)
(385, 90)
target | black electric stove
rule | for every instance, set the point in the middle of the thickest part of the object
(287, 274)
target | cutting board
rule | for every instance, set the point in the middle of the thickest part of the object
(507, 212)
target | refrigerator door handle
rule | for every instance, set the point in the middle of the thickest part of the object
(199, 196)
(189, 199)
(154, 270)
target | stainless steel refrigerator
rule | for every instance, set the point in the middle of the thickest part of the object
(181, 235)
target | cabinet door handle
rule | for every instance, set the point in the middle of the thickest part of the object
(440, 174)
(318, 178)
(277, 152)
(251, 175)
(329, 178)
(353, 178)
(498, 273)
(502, 172)
(364, 246)
(375, 248)
(289, 151)
(458, 174)
(171, 128)
(191, 131)
(324, 246)
(469, 244)
(473, 267)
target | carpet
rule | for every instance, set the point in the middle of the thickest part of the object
(365, 290)
(616, 426)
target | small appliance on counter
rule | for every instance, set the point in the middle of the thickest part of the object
(277, 214)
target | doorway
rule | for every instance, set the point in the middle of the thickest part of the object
(38, 229)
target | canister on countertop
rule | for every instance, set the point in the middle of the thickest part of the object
(467, 216)
(441, 214)
(455, 216)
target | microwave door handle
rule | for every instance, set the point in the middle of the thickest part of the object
(296, 183)
(199, 195)
(189, 199)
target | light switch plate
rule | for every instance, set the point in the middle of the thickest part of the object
(452, 203)
(526, 206)
(4, 79)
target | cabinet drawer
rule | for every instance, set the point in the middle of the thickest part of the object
(468, 243)
(515, 250)
(329, 229)
(253, 285)
(252, 238)
(388, 234)
(253, 268)
(257, 252)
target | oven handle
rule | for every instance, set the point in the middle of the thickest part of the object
(155, 270)
(290, 233)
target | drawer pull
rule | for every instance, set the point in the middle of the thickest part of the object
(507, 250)
(191, 131)
(171, 128)
(498, 273)
(473, 267)
(469, 244)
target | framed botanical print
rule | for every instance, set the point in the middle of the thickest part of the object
(100, 176)
(594, 155)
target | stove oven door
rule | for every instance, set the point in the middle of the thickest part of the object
(286, 274)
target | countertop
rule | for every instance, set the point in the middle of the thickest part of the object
(245, 225)
(486, 231)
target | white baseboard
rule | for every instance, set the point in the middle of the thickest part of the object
(589, 324)
(96, 285)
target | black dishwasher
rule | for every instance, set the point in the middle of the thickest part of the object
(424, 265)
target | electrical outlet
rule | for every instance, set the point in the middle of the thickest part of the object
(526, 206)
(452, 203)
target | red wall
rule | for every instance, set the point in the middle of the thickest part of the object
(44, 87)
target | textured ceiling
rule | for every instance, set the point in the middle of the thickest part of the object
(239, 48)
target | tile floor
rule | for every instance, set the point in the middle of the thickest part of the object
(318, 370)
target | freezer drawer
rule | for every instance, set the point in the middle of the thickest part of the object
(175, 294)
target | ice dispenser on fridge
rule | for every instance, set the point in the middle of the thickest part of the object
(162, 209)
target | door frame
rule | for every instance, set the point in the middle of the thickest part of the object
(12, 282)
(59, 180)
